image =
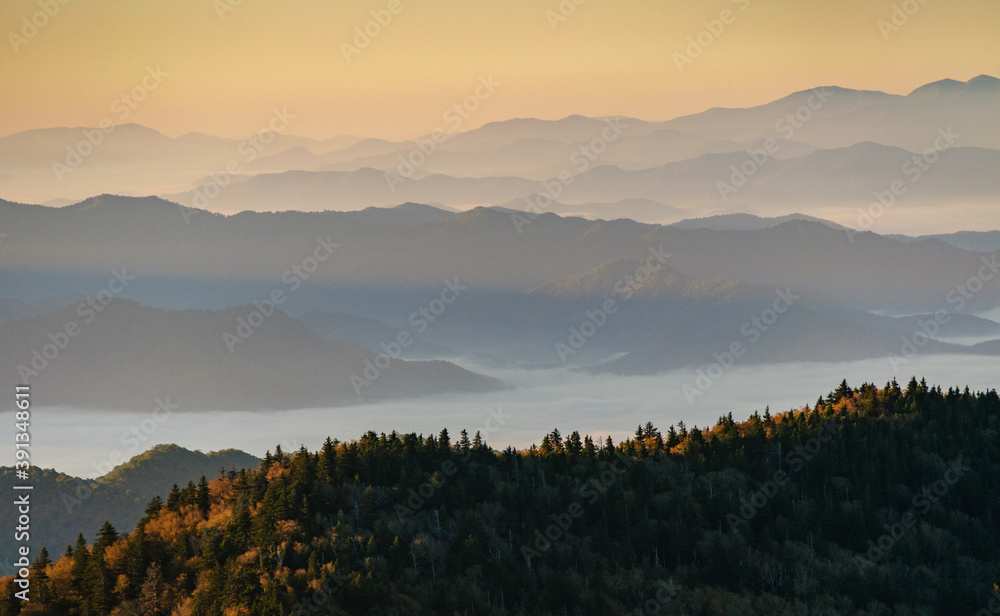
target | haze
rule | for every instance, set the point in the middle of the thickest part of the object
(79, 442)
(228, 68)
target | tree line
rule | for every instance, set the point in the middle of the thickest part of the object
(850, 506)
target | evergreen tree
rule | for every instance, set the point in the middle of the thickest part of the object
(153, 592)
(328, 461)
(174, 499)
(555, 438)
(672, 438)
(38, 574)
(536, 532)
(203, 496)
(574, 445)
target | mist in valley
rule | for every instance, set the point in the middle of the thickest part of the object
(82, 442)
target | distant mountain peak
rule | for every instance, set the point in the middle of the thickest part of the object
(742, 221)
(984, 81)
(981, 83)
(407, 214)
(109, 200)
(117, 205)
(622, 276)
(147, 469)
(940, 84)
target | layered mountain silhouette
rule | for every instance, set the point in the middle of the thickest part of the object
(125, 356)
(521, 295)
(824, 152)
(670, 320)
(241, 258)
(692, 228)
(850, 175)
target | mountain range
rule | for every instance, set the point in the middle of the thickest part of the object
(205, 360)
(283, 310)
(825, 152)
(284, 272)
(489, 250)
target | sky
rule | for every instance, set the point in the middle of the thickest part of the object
(222, 66)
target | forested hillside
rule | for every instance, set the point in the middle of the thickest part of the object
(871, 501)
(63, 506)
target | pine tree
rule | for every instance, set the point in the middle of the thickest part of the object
(609, 447)
(98, 582)
(153, 508)
(152, 592)
(39, 576)
(136, 560)
(574, 445)
(328, 461)
(240, 526)
(106, 537)
(672, 439)
(546, 448)
(842, 391)
(81, 554)
(174, 499)
(556, 439)
(203, 496)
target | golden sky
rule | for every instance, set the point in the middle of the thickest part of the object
(228, 63)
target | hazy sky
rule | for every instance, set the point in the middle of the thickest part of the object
(229, 62)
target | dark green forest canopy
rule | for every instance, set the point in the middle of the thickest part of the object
(872, 501)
